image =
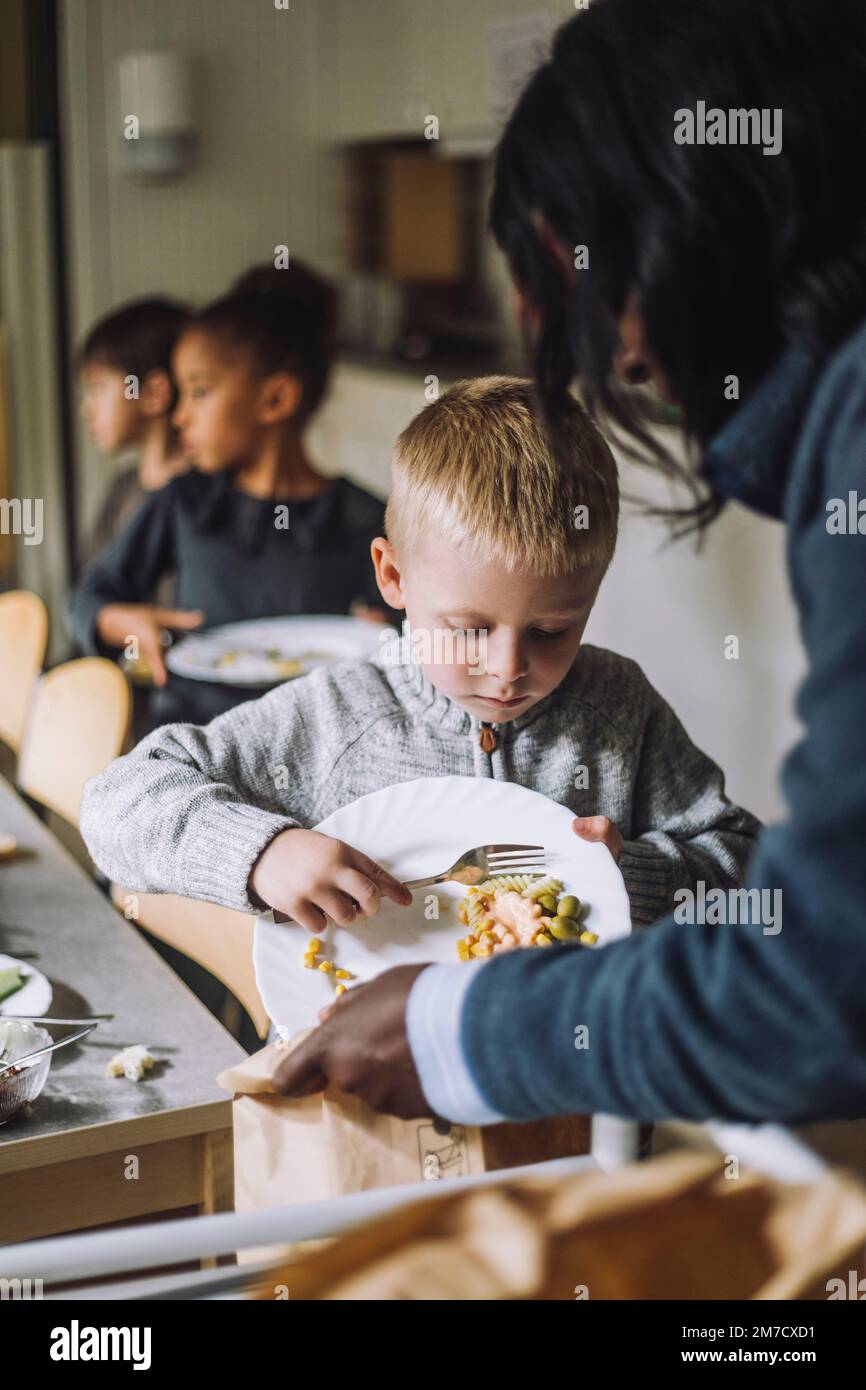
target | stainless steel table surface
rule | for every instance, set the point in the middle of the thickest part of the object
(92, 1149)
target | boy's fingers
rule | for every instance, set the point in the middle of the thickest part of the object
(591, 827)
(363, 890)
(308, 915)
(386, 883)
(340, 907)
(598, 829)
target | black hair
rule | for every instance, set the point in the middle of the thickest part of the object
(730, 254)
(135, 339)
(286, 320)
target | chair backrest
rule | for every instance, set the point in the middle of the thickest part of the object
(218, 938)
(23, 637)
(78, 722)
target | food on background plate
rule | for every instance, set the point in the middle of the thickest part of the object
(8, 845)
(242, 660)
(515, 910)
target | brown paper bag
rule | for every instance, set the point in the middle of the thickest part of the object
(330, 1144)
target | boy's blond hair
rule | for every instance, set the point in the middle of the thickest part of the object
(475, 468)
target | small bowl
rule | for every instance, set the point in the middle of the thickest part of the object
(18, 1088)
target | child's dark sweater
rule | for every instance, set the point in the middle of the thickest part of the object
(232, 561)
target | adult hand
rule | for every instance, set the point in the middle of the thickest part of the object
(144, 623)
(362, 1048)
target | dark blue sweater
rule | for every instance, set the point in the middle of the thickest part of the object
(732, 1021)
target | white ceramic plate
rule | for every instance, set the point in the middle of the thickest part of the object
(250, 653)
(416, 829)
(34, 997)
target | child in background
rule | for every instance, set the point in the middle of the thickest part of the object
(252, 369)
(481, 535)
(128, 396)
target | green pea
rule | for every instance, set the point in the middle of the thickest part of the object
(548, 903)
(563, 928)
(568, 906)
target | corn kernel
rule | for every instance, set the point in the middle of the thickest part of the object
(588, 938)
(343, 975)
(481, 949)
(326, 967)
(314, 946)
(309, 962)
(341, 989)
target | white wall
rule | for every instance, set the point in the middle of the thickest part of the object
(673, 609)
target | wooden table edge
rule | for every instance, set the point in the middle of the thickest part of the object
(181, 1122)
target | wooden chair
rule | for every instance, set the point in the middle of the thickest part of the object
(216, 937)
(23, 638)
(78, 721)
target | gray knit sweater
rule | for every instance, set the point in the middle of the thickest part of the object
(191, 808)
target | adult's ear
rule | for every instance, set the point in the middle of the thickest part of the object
(279, 398)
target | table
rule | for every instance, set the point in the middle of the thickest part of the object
(93, 1150)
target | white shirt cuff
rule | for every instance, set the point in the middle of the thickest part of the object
(433, 1014)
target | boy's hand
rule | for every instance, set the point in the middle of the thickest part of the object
(598, 828)
(117, 623)
(311, 876)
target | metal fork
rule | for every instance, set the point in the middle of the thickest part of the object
(476, 865)
(472, 867)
